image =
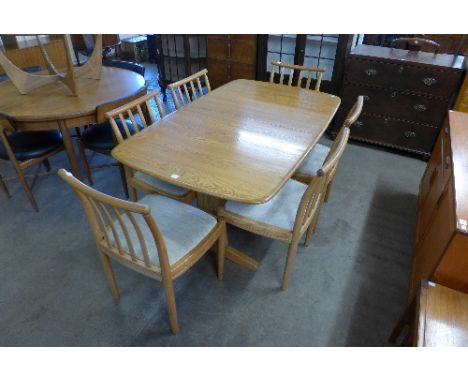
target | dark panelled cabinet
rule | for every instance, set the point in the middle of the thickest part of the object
(407, 95)
(230, 57)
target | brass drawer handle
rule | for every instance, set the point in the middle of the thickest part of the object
(401, 69)
(370, 72)
(429, 81)
(420, 108)
(358, 123)
(410, 134)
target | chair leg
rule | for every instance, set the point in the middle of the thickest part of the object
(26, 188)
(4, 187)
(131, 190)
(85, 162)
(46, 164)
(106, 264)
(171, 303)
(329, 190)
(289, 263)
(222, 244)
(309, 233)
(124, 179)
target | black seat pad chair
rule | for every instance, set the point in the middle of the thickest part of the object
(32, 144)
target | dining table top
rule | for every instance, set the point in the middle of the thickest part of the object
(54, 101)
(240, 142)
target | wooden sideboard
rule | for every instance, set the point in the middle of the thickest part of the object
(407, 95)
(441, 242)
(437, 316)
(231, 57)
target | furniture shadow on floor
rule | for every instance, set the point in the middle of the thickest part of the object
(376, 293)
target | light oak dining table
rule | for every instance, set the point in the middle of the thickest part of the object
(53, 107)
(240, 142)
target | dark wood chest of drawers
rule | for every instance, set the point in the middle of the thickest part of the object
(407, 95)
(230, 57)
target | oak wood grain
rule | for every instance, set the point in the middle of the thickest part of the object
(54, 101)
(443, 318)
(459, 143)
(240, 142)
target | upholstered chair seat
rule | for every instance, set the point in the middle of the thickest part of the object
(182, 226)
(314, 160)
(280, 211)
(159, 185)
(32, 144)
(100, 137)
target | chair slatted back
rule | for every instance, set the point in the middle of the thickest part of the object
(185, 91)
(351, 117)
(141, 107)
(292, 68)
(315, 191)
(117, 227)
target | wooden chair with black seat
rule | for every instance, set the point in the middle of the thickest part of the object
(304, 82)
(99, 137)
(130, 119)
(185, 91)
(159, 237)
(25, 149)
(293, 211)
(319, 154)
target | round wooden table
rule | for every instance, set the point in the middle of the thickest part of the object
(54, 107)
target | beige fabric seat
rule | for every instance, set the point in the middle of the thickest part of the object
(280, 211)
(159, 185)
(182, 226)
(315, 160)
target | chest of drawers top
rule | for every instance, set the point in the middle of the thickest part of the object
(420, 72)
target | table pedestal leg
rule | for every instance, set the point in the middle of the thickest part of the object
(210, 204)
(67, 141)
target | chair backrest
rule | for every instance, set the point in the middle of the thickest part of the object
(351, 117)
(316, 189)
(118, 227)
(129, 65)
(184, 91)
(126, 114)
(416, 43)
(308, 69)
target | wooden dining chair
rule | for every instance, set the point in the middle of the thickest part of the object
(320, 152)
(290, 213)
(310, 70)
(25, 149)
(158, 237)
(184, 91)
(130, 119)
(99, 137)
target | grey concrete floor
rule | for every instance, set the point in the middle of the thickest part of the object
(347, 288)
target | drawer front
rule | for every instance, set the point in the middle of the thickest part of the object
(394, 133)
(431, 247)
(238, 51)
(411, 107)
(405, 77)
